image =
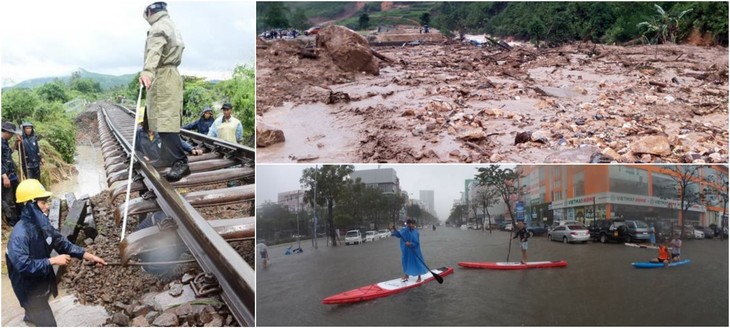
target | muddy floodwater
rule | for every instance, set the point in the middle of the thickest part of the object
(599, 287)
(461, 103)
(91, 178)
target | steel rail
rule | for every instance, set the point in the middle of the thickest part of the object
(211, 251)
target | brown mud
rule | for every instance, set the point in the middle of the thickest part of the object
(455, 102)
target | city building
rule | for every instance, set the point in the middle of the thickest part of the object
(384, 179)
(426, 197)
(647, 192)
(293, 200)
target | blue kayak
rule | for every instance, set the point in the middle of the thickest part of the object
(652, 265)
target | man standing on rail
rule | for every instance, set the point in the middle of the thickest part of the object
(28, 254)
(163, 54)
(10, 177)
(31, 159)
(227, 127)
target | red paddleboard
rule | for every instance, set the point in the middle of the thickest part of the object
(513, 265)
(384, 288)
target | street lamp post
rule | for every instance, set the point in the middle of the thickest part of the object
(299, 209)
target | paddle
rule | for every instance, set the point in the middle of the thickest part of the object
(435, 275)
(509, 248)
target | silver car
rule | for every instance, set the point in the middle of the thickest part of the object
(570, 233)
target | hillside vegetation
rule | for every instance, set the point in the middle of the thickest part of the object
(552, 22)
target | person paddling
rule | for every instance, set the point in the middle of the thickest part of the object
(410, 247)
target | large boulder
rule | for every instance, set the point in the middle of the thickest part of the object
(267, 135)
(350, 51)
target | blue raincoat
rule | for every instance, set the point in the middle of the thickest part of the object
(31, 150)
(28, 252)
(412, 265)
(202, 125)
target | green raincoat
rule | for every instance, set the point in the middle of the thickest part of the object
(162, 54)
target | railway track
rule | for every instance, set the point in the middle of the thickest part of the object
(223, 175)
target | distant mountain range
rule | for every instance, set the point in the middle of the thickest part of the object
(106, 81)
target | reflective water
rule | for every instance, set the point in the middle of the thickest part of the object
(91, 178)
(66, 309)
(598, 287)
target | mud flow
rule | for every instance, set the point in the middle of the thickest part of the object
(443, 101)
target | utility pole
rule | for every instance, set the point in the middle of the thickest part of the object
(314, 237)
(299, 209)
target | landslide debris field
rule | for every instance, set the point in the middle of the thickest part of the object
(456, 102)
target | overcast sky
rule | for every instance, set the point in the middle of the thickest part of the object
(55, 38)
(447, 181)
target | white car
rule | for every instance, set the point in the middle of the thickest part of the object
(699, 234)
(384, 233)
(508, 227)
(353, 237)
(371, 236)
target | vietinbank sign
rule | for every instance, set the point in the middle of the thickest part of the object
(623, 199)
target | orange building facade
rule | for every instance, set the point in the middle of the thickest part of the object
(644, 192)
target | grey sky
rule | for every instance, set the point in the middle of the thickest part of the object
(447, 181)
(54, 38)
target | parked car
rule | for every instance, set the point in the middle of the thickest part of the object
(570, 233)
(609, 230)
(699, 234)
(537, 230)
(709, 233)
(353, 237)
(562, 223)
(384, 233)
(508, 227)
(312, 30)
(371, 236)
(638, 230)
(463, 227)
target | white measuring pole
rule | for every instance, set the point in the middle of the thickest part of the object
(131, 163)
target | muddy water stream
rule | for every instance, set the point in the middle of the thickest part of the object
(66, 309)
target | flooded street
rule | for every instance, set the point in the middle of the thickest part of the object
(598, 287)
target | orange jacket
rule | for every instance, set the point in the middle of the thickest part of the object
(663, 253)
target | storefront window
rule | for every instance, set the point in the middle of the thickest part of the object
(663, 186)
(628, 180)
(578, 184)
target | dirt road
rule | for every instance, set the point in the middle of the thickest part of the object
(461, 103)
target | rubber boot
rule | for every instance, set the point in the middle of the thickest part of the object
(178, 170)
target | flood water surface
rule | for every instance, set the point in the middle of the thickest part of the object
(598, 287)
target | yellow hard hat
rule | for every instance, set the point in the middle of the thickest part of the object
(30, 189)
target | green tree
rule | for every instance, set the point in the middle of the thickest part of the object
(413, 211)
(19, 105)
(275, 15)
(456, 216)
(299, 20)
(240, 92)
(425, 19)
(53, 91)
(662, 28)
(487, 196)
(85, 86)
(324, 187)
(504, 180)
(364, 21)
(686, 181)
(394, 204)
